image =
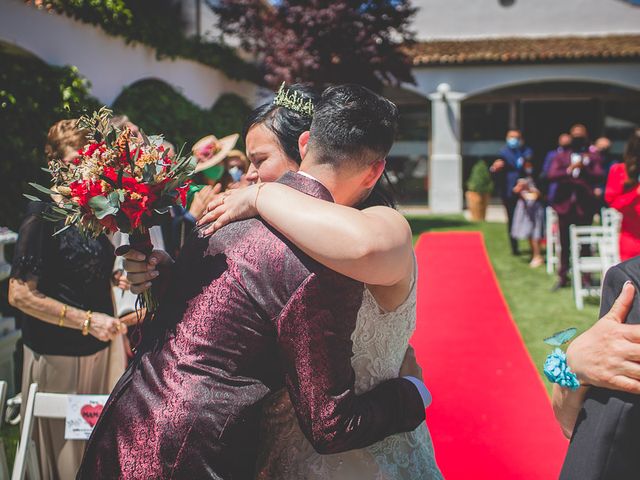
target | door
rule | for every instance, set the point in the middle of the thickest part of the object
(544, 120)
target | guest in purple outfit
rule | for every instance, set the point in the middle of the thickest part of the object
(244, 314)
(564, 142)
(578, 172)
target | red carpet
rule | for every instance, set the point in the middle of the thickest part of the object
(490, 417)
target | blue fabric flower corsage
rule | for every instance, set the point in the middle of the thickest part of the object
(557, 370)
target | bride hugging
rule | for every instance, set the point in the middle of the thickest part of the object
(371, 244)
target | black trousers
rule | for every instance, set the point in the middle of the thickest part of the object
(564, 222)
(510, 207)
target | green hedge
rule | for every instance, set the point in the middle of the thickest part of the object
(157, 108)
(33, 96)
(158, 24)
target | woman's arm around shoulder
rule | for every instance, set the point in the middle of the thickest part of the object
(373, 245)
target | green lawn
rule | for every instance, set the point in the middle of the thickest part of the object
(10, 435)
(537, 311)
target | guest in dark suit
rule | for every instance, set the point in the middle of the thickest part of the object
(245, 314)
(578, 172)
(606, 409)
(507, 169)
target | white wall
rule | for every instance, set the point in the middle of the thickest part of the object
(108, 62)
(446, 19)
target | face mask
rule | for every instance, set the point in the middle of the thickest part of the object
(236, 173)
(578, 143)
(528, 171)
(214, 173)
(513, 142)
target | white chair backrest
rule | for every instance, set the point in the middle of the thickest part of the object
(50, 405)
(4, 467)
(591, 235)
(611, 218)
(3, 400)
(39, 405)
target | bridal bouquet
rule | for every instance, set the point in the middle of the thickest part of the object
(117, 182)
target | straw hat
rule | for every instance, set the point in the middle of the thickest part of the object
(210, 151)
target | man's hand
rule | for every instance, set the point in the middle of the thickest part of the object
(141, 271)
(608, 354)
(410, 367)
(497, 165)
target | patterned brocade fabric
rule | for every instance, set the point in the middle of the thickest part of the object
(379, 344)
(245, 314)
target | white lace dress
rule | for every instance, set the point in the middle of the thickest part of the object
(379, 344)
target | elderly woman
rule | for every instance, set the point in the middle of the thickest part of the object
(62, 286)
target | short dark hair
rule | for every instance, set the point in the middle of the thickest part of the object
(286, 124)
(350, 125)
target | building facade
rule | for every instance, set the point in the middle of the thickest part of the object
(108, 62)
(486, 66)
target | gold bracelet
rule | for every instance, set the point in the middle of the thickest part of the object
(87, 324)
(255, 202)
(63, 315)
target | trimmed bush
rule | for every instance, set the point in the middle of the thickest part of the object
(480, 180)
(156, 107)
(33, 96)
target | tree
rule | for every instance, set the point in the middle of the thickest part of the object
(323, 42)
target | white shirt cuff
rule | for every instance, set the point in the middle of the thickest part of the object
(422, 389)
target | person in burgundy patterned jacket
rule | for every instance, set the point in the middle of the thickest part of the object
(246, 313)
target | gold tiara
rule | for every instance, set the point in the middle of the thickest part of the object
(293, 101)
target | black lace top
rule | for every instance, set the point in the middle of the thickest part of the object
(69, 268)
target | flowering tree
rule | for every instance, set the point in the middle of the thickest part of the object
(323, 42)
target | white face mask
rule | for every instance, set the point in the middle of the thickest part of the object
(236, 173)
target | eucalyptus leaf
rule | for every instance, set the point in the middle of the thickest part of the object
(32, 198)
(42, 189)
(61, 211)
(114, 199)
(101, 207)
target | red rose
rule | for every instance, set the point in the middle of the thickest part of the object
(80, 192)
(92, 148)
(95, 189)
(134, 209)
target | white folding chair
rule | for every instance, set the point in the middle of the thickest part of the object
(39, 405)
(4, 466)
(553, 240)
(601, 242)
(611, 218)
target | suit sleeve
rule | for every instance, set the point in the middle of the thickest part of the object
(607, 432)
(558, 170)
(314, 336)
